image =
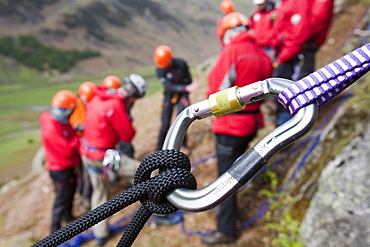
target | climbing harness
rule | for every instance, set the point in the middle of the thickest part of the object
(111, 164)
(178, 185)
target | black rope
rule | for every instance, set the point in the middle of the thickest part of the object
(150, 191)
(135, 226)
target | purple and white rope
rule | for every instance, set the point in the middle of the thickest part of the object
(327, 82)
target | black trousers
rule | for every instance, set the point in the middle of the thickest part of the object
(126, 148)
(65, 187)
(228, 149)
(286, 71)
(166, 116)
(309, 64)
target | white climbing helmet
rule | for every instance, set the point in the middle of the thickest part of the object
(139, 82)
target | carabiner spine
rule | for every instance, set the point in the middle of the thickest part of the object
(178, 129)
(205, 198)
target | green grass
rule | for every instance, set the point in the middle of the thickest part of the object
(18, 120)
(29, 75)
(11, 73)
(39, 90)
(38, 95)
(13, 150)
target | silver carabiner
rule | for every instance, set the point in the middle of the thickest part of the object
(246, 166)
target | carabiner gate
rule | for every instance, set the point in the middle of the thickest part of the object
(246, 166)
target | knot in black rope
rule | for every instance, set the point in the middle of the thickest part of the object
(175, 173)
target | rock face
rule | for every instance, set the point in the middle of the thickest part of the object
(340, 210)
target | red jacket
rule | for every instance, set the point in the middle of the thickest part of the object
(290, 29)
(106, 123)
(320, 18)
(262, 23)
(60, 142)
(251, 65)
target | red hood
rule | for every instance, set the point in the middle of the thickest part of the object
(106, 94)
(242, 37)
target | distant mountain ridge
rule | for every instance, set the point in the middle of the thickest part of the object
(126, 32)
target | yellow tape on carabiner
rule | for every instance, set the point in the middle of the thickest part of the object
(225, 102)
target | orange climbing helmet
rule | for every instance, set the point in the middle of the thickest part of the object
(226, 7)
(86, 91)
(64, 99)
(163, 56)
(63, 104)
(111, 81)
(233, 20)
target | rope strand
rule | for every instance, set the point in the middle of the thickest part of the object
(134, 228)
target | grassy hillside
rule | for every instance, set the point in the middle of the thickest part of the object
(125, 32)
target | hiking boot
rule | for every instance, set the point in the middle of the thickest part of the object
(101, 241)
(218, 238)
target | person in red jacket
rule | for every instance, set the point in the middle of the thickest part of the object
(107, 122)
(226, 7)
(112, 81)
(61, 142)
(240, 63)
(320, 17)
(289, 36)
(261, 22)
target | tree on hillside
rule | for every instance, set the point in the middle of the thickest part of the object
(31, 52)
